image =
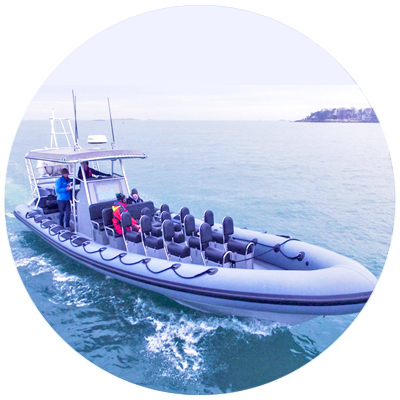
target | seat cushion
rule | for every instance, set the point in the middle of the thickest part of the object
(238, 246)
(154, 242)
(216, 255)
(134, 237)
(178, 250)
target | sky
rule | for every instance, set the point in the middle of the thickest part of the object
(197, 63)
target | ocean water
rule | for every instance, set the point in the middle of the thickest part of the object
(328, 184)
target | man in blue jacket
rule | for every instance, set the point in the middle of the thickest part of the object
(64, 190)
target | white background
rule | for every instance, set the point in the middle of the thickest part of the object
(37, 35)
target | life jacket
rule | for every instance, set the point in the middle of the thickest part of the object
(118, 208)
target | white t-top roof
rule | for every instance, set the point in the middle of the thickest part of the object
(70, 155)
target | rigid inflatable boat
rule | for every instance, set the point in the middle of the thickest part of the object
(208, 266)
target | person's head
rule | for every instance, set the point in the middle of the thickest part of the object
(85, 165)
(64, 172)
(134, 194)
(121, 197)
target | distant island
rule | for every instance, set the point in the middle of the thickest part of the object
(342, 115)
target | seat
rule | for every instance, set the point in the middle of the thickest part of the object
(177, 224)
(148, 239)
(180, 250)
(107, 217)
(209, 218)
(182, 214)
(115, 240)
(236, 246)
(211, 253)
(179, 236)
(190, 228)
(155, 225)
(129, 235)
(164, 207)
(96, 214)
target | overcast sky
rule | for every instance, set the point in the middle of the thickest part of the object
(197, 62)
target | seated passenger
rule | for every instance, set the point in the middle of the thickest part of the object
(89, 172)
(118, 208)
(134, 198)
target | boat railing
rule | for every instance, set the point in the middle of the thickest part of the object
(67, 133)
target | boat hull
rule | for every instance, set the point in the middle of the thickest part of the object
(321, 283)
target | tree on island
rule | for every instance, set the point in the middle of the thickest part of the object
(342, 115)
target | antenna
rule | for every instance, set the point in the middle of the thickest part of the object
(113, 146)
(76, 124)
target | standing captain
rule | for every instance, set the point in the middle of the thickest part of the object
(64, 191)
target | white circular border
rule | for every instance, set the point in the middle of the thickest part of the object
(38, 35)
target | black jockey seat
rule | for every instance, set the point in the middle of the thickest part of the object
(177, 224)
(190, 228)
(164, 207)
(179, 235)
(209, 218)
(236, 246)
(155, 226)
(129, 235)
(180, 250)
(148, 239)
(95, 212)
(107, 216)
(211, 253)
(182, 214)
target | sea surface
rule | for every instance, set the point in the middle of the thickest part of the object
(328, 184)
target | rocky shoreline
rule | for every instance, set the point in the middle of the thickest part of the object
(342, 115)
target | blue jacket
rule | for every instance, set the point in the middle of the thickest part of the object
(61, 189)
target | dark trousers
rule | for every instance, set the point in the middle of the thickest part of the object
(64, 208)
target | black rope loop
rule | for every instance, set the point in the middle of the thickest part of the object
(77, 241)
(174, 267)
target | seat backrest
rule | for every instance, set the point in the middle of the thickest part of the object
(107, 215)
(96, 210)
(227, 228)
(165, 215)
(145, 224)
(168, 230)
(190, 225)
(136, 209)
(164, 207)
(205, 235)
(209, 217)
(146, 211)
(183, 212)
(126, 220)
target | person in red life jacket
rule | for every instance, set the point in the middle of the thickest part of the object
(89, 172)
(118, 208)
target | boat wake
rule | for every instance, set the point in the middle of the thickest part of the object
(183, 345)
